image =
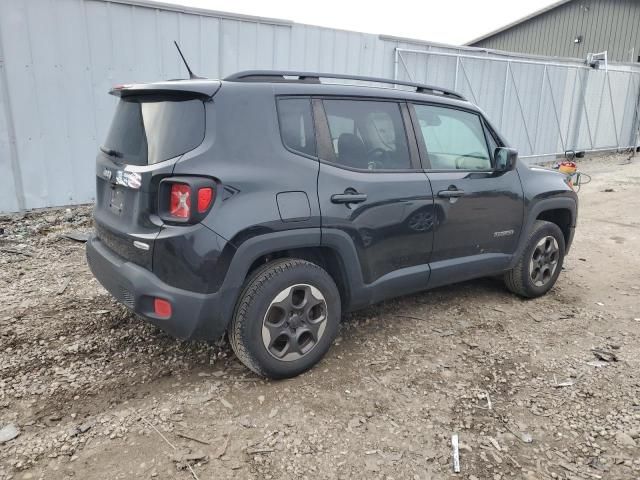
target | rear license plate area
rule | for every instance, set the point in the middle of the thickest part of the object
(116, 200)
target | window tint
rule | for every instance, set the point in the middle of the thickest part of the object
(367, 135)
(454, 138)
(296, 125)
(152, 128)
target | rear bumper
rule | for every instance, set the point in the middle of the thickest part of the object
(194, 315)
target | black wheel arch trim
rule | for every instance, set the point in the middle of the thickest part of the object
(254, 248)
(538, 207)
(357, 294)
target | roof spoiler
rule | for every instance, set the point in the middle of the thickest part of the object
(198, 88)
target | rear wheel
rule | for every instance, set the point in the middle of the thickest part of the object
(286, 318)
(540, 262)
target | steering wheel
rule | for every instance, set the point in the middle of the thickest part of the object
(462, 158)
(382, 155)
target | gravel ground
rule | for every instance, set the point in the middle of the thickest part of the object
(94, 392)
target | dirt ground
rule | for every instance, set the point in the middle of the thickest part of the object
(97, 393)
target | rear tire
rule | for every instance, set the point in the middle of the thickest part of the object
(540, 262)
(286, 318)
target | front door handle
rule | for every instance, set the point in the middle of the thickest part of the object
(451, 193)
(349, 196)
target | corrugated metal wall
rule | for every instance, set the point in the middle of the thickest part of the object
(59, 58)
(544, 108)
(611, 25)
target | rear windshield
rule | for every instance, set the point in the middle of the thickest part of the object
(149, 129)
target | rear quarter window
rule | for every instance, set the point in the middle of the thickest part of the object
(296, 125)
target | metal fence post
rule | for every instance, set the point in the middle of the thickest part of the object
(396, 52)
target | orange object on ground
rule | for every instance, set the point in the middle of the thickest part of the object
(568, 167)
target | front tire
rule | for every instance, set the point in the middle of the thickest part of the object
(540, 263)
(286, 318)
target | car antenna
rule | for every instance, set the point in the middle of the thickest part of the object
(192, 76)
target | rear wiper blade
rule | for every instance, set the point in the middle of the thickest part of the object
(111, 152)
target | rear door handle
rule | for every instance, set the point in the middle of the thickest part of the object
(451, 193)
(348, 197)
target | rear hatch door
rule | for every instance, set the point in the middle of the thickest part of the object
(152, 128)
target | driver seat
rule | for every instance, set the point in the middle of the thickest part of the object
(351, 151)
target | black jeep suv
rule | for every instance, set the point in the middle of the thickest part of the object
(267, 204)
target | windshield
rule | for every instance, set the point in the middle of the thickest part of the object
(149, 129)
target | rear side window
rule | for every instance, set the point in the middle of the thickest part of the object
(296, 125)
(454, 138)
(149, 129)
(367, 135)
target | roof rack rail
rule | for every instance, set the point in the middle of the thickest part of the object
(314, 77)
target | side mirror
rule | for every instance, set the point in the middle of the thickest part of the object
(505, 159)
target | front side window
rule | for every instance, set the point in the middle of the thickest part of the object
(367, 135)
(454, 138)
(296, 125)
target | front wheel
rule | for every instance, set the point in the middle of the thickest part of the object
(540, 262)
(286, 318)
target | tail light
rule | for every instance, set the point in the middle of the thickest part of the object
(180, 201)
(205, 197)
(185, 199)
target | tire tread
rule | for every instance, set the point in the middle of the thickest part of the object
(514, 278)
(253, 288)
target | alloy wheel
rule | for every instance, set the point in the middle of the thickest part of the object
(544, 261)
(294, 322)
